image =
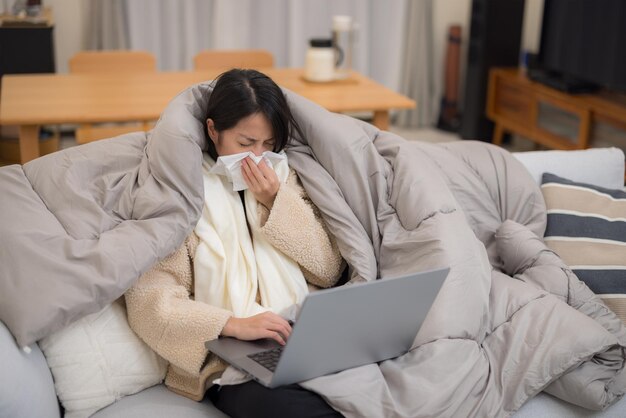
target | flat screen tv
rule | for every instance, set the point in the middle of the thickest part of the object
(583, 45)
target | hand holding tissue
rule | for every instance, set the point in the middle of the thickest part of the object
(229, 166)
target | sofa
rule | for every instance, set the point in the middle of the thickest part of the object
(27, 388)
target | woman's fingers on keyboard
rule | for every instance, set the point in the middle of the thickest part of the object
(281, 326)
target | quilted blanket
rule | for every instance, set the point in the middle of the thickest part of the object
(79, 226)
(511, 319)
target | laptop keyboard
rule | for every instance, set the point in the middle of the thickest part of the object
(267, 359)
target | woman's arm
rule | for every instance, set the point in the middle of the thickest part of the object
(295, 226)
(164, 316)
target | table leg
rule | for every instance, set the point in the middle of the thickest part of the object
(584, 130)
(381, 119)
(498, 132)
(29, 143)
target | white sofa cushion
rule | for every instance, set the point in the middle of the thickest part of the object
(159, 402)
(98, 359)
(598, 166)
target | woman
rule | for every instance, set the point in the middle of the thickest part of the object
(251, 255)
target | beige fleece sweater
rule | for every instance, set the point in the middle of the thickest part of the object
(160, 305)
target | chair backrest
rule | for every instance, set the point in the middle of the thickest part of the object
(113, 60)
(119, 61)
(233, 58)
(88, 133)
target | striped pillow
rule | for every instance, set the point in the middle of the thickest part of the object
(587, 228)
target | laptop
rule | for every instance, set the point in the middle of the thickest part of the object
(338, 329)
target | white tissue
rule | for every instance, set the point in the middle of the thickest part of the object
(230, 166)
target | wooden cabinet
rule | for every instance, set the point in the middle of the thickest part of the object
(26, 45)
(516, 105)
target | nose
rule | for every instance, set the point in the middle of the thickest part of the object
(258, 149)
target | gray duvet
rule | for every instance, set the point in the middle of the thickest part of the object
(511, 319)
(79, 226)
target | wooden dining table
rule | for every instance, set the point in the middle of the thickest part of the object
(32, 100)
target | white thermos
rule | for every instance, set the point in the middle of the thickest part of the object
(320, 61)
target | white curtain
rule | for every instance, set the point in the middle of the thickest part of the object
(108, 25)
(393, 37)
(418, 79)
(175, 30)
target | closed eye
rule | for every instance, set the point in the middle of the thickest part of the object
(246, 142)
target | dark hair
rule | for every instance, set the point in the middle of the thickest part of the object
(239, 93)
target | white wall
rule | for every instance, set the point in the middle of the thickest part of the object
(531, 32)
(70, 29)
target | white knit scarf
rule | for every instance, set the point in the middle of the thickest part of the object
(230, 266)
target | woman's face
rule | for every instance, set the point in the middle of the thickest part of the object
(253, 133)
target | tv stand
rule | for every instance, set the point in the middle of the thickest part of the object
(514, 103)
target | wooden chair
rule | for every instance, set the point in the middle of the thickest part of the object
(90, 62)
(110, 61)
(233, 58)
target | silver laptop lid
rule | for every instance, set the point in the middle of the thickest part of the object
(357, 324)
